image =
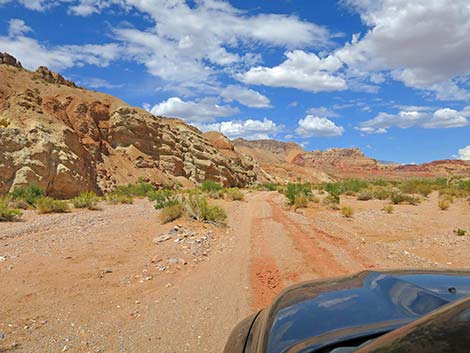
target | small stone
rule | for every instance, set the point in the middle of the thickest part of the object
(161, 239)
(2, 336)
(3, 258)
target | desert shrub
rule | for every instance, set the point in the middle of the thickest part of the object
(49, 205)
(234, 194)
(210, 186)
(268, 186)
(417, 186)
(348, 187)
(119, 198)
(4, 123)
(347, 211)
(399, 197)
(171, 212)
(297, 189)
(218, 194)
(444, 204)
(19, 204)
(198, 208)
(163, 198)
(8, 214)
(331, 201)
(86, 200)
(30, 194)
(301, 201)
(389, 209)
(460, 232)
(365, 195)
(139, 189)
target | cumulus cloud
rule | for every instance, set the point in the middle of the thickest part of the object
(439, 119)
(97, 83)
(314, 126)
(301, 70)
(202, 111)
(249, 129)
(464, 153)
(245, 96)
(423, 43)
(32, 53)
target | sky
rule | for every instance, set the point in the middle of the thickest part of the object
(391, 77)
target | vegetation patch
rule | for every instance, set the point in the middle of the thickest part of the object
(8, 214)
(29, 194)
(389, 209)
(49, 205)
(460, 232)
(86, 200)
(400, 198)
(234, 194)
(347, 211)
(297, 191)
(119, 199)
(171, 213)
(163, 198)
(210, 186)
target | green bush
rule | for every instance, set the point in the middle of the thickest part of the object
(138, 189)
(417, 186)
(268, 186)
(8, 214)
(389, 209)
(119, 199)
(198, 208)
(210, 186)
(50, 205)
(171, 212)
(294, 190)
(399, 197)
(86, 200)
(29, 193)
(365, 195)
(163, 198)
(347, 211)
(234, 194)
(349, 187)
(460, 232)
(444, 203)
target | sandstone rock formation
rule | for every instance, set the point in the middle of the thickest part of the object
(68, 139)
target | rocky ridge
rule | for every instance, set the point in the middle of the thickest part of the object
(68, 139)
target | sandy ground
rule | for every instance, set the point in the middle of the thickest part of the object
(106, 281)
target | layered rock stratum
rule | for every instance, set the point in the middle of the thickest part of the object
(68, 139)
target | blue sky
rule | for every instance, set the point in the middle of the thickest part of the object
(391, 77)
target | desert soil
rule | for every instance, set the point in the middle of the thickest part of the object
(116, 280)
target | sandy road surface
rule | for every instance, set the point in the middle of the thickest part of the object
(91, 281)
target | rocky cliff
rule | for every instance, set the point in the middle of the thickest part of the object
(68, 139)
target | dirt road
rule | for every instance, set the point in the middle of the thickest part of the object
(96, 281)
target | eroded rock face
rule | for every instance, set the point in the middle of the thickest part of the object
(69, 140)
(8, 59)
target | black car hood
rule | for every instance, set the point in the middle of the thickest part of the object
(313, 315)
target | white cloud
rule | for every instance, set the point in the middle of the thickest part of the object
(17, 27)
(97, 83)
(245, 96)
(314, 126)
(424, 43)
(248, 129)
(322, 111)
(301, 70)
(202, 111)
(439, 119)
(32, 53)
(464, 153)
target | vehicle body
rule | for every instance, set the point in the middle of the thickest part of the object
(368, 312)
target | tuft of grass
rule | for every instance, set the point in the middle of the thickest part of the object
(86, 200)
(389, 209)
(268, 186)
(460, 232)
(139, 189)
(234, 194)
(170, 213)
(198, 208)
(49, 205)
(331, 201)
(8, 214)
(4, 123)
(347, 211)
(444, 204)
(399, 198)
(119, 199)
(365, 195)
(29, 194)
(301, 201)
(210, 186)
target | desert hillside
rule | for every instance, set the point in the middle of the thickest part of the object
(68, 139)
